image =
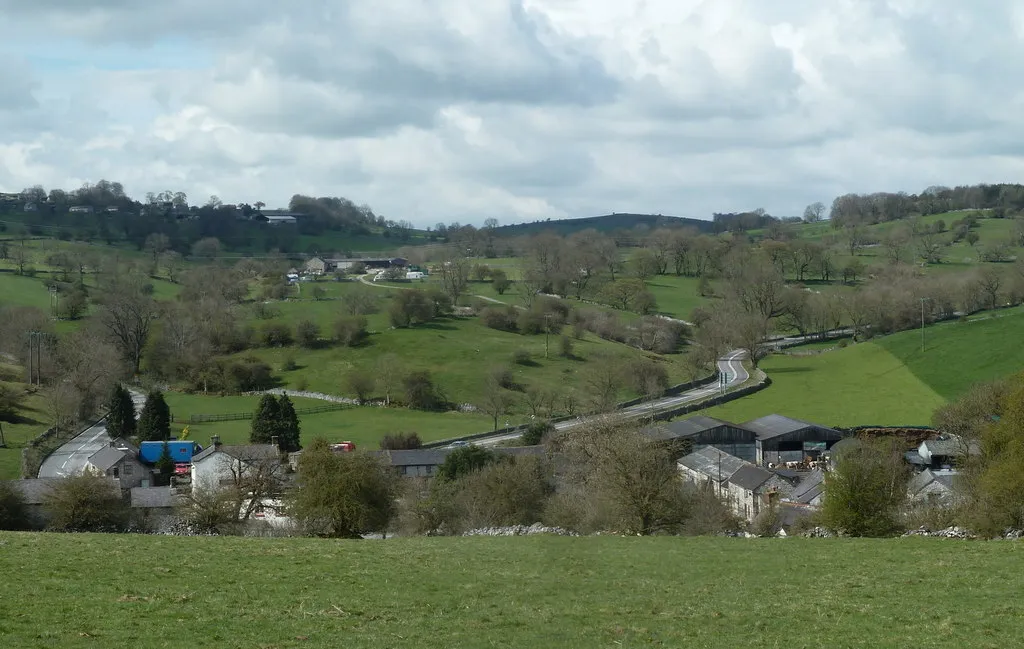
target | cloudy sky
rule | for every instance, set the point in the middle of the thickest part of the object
(442, 110)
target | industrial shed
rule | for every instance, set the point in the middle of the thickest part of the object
(696, 433)
(784, 439)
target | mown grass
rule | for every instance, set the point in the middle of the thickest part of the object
(960, 354)
(150, 591)
(862, 384)
(363, 425)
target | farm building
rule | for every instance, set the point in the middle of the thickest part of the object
(120, 462)
(746, 487)
(784, 439)
(316, 266)
(810, 491)
(423, 462)
(931, 487)
(696, 433)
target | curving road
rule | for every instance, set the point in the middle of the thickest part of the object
(730, 365)
(71, 458)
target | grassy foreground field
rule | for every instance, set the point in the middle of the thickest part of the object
(150, 591)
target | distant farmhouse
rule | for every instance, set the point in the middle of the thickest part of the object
(320, 266)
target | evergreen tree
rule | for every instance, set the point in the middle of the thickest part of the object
(155, 420)
(121, 413)
(288, 426)
(266, 422)
(166, 467)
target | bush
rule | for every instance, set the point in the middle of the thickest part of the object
(502, 375)
(522, 357)
(465, 460)
(13, 515)
(350, 330)
(361, 383)
(865, 491)
(421, 393)
(400, 441)
(500, 281)
(10, 402)
(289, 364)
(307, 333)
(409, 307)
(85, 503)
(646, 377)
(565, 346)
(500, 318)
(277, 334)
(248, 375)
(536, 432)
(360, 301)
(443, 305)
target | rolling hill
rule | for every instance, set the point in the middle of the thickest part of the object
(606, 223)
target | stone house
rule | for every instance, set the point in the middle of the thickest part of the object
(122, 462)
(745, 487)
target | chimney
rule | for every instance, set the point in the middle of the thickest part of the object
(215, 441)
(273, 440)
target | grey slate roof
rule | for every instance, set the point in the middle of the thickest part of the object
(240, 452)
(948, 446)
(690, 427)
(771, 426)
(750, 477)
(713, 463)
(152, 497)
(927, 477)
(810, 488)
(106, 457)
(34, 491)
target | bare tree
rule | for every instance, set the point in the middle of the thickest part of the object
(127, 316)
(21, 256)
(389, 375)
(604, 382)
(990, 282)
(454, 272)
(496, 401)
(814, 212)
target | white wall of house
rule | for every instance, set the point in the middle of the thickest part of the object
(208, 473)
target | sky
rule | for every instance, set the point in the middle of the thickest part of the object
(462, 110)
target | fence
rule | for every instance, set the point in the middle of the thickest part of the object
(242, 416)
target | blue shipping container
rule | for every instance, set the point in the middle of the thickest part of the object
(151, 452)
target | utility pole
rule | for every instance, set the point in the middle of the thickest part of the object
(922, 323)
(3, 442)
(547, 332)
(54, 302)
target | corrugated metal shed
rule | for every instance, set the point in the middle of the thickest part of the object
(713, 463)
(773, 427)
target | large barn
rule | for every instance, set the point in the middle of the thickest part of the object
(784, 439)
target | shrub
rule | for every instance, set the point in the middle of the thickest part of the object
(12, 508)
(409, 307)
(522, 357)
(443, 305)
(500, 318)
(420, 391)
(536, 432)
(502, 376)
(249, 374)
(500, 281)
(360, 382)
(10, 402)
(360, 301)
(350, 330)
(307, 333)
(646, 377)
(85, 503)
(289, 364)
(277, 334)
(400, 441)
(565, 346)
(465, 460)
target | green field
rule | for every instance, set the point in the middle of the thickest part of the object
(862, 384)
(958, 355)
(87, 590)
(33, 420)
(363, 425)
(677, 296)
